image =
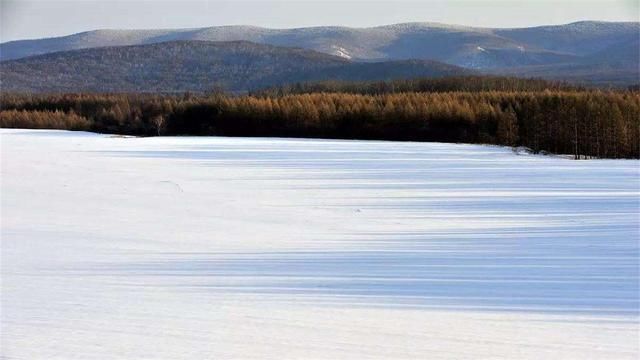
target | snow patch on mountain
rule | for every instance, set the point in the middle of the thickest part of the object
(340, 51)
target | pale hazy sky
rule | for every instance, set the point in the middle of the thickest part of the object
(46, 18)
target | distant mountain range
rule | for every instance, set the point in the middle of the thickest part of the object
(589, 52)
(179, 66)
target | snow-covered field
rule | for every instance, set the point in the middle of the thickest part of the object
(196, 248)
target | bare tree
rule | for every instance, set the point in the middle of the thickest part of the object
(159, 123)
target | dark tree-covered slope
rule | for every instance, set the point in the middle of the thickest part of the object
(181, 66)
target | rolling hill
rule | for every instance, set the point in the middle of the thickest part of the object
(179, 66)
(614, 65)
(479, 48)
(587, 52)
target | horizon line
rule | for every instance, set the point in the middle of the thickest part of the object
(452, 25)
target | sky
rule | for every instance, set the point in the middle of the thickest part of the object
(47, 18)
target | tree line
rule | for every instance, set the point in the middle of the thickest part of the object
(604, 124)
(469, 83)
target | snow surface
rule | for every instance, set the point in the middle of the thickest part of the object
(116, 247)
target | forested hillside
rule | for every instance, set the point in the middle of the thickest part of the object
(460, 45)
(584, 52)
(197, 66)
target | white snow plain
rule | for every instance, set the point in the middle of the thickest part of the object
(210, 247)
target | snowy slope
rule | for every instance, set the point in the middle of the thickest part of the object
(170, 248)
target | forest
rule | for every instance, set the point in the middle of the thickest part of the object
(434, 84)
(544, 117)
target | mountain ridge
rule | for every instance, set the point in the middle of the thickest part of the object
(586, 52)
(195, 65)
(454, 44)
